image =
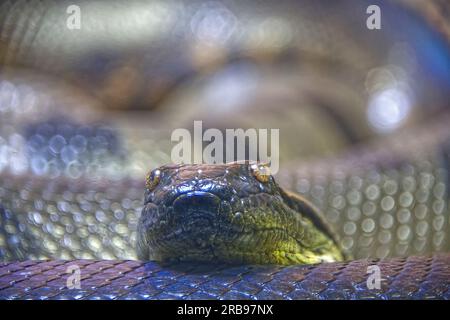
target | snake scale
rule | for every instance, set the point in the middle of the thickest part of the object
(72, 187)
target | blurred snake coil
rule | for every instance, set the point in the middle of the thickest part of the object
(86, 112)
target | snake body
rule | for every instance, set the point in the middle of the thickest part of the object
(386, 201)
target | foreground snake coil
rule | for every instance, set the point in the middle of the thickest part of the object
(72, 186)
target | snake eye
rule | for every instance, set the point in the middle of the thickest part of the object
(152, 179)
(261, 172)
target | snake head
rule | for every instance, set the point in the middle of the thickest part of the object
(232, 213)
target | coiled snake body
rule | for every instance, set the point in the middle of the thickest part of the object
(387, 200)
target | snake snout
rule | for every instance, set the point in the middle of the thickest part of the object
(196, 213)
(196, 204)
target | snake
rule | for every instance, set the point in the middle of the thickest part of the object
(196, 218)
(71, 196)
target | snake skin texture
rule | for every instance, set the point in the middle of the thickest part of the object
(403, 278)
(72, 184)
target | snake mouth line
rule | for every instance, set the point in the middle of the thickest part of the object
(201, 212)
(236, 247)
